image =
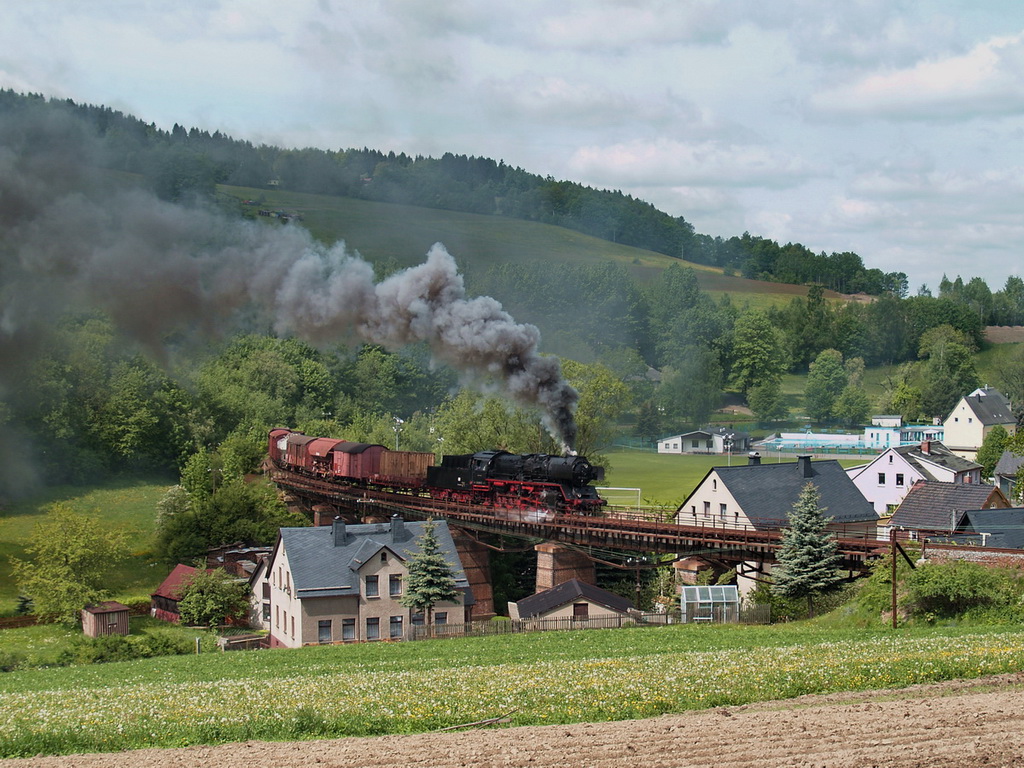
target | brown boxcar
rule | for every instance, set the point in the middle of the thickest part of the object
(407, 466)
(358, 461)
(277, 444)
(320, 455)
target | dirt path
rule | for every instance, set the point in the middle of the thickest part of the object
(960, 723)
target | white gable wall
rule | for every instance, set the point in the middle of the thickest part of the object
(886, 480)
(712, 504)
(285, 618)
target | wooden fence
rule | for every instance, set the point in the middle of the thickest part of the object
(517, 626)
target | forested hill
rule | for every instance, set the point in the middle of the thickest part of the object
(182, 163)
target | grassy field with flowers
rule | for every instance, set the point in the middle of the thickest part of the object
(556, 677)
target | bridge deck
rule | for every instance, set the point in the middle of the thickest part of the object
(616, 530)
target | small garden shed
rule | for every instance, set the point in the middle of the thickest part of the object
(107, 618)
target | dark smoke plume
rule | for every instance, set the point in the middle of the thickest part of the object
(68, 240)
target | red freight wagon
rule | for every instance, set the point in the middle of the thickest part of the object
(359, 461)
(320, 455)
(277, 445)
(295, 454)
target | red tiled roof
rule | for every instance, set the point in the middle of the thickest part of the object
(173, 584)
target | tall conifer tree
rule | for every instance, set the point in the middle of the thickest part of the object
(431, 579)
(809, 557)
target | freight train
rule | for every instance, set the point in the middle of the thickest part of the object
(496, 479)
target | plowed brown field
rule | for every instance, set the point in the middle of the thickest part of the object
(959, 723)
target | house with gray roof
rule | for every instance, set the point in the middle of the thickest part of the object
(1003, 528)
(934, 507)
(572, 599)
(343, 583)
(974, 417)
(762, 495)
(1005, 473)
(886, 479)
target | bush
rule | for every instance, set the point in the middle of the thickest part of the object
(944, 590)
(10, 661)
(100, 650)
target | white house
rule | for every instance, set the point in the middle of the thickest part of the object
(762, 495)
(974, 417)
(887, 479)
(707, 440)
(343, 583)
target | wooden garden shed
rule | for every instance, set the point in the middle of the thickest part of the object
(107, 618)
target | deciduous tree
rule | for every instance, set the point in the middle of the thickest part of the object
(211, 598)
(992, 448)
(70, 559)
(758, 352)
(825, 382)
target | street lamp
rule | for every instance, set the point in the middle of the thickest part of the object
(398, 428)
(728, 446)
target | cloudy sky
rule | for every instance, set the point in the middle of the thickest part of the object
(893, 129)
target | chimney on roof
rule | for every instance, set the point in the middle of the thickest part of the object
(338, 530)
(397, 529)
(753, 459)
(805, 465)
(926, 447)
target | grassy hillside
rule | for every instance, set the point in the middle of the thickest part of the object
(127, 504)
(403, 234)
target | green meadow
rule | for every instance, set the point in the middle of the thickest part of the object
(539, 678)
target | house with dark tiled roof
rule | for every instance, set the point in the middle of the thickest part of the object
(938, 507)
(762, 495)
(974, 417)
(343, 583)
(572, 599)
(887, 478)
(1005, 473)
(1003, 528)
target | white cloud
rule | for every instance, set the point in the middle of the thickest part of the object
(988, 79)
(673, 163)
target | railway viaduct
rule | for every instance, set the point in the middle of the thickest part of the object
(567, 546)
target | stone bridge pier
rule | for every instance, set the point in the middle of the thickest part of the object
(557, 564)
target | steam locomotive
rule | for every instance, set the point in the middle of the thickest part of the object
(496, 479)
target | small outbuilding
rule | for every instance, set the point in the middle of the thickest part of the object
(107, 618)
(572, 599)
(164, 602)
